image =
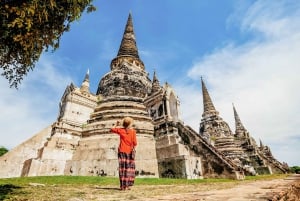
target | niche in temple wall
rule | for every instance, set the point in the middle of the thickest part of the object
(173, 107)
(160, 110)
(157, 111)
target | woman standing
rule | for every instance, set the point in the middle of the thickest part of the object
(125, 152)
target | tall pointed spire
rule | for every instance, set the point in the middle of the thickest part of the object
(260, 143)
(239, 127)
(87, 76)
(208, 106)
(155, 83)
(128, 45)
(85, 86)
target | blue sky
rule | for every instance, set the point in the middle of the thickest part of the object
(248, 53)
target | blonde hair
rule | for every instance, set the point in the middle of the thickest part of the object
(127, 121)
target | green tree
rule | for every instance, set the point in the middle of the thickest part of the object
(295, 169)
(3, 150)
(28, 27)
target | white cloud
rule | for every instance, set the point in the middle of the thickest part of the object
(260, 77)
(272, 19)
(34, 106)
(191, 106)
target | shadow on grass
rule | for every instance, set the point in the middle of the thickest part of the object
(6, 189)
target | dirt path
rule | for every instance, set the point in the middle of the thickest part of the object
(256, 191)
(260, 190)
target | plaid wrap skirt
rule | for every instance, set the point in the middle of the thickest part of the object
(126, 169)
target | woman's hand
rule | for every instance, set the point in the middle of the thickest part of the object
(118, 123)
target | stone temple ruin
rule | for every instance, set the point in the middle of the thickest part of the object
(79, 141)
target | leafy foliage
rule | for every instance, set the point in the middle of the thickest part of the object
(295, 169)
(3, 150)
(31, 26)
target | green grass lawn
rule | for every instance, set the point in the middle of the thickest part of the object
(114, 180)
